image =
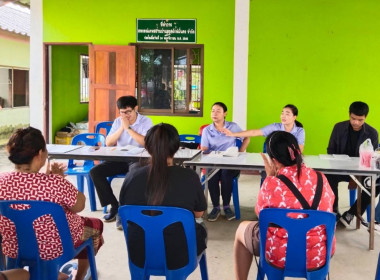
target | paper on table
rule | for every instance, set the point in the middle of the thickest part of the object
(230, 152)
(334, 157)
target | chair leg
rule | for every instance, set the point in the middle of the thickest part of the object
(369, 213)
(378, 269)
(235, 197)
(91, 259)
(203, 267)
(91, 193)
(352, 196)
(80, 183)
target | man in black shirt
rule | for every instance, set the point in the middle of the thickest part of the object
(346, 138)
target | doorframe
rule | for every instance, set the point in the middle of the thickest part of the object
(47, 113)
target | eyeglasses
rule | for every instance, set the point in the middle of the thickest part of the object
(126, 112)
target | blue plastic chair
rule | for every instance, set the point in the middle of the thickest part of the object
(89, 139)
(377, 277)
(235, 188)
(28, 253)
(106, 126)
(295, 265)
(191, 139)
(263, 172)
(153, 226)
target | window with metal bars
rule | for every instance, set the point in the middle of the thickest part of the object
(170, 79)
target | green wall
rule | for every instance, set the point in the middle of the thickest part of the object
(65, 86)
(114, 22)
(319, 55)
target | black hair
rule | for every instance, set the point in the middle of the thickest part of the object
(359, 108)
(295, 113)
(161, 142)
(126, 101)
(283, 147)
(25, 144)
(220, 104)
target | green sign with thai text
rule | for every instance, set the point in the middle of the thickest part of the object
(167, 30)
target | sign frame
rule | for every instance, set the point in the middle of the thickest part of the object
(166, 31)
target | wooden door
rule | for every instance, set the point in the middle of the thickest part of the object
(112, 74)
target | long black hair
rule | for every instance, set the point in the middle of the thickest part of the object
(295, 113)
(161, 142)
(283, 147)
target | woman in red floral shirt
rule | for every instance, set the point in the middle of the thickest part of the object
(27, 150)
(285, 158)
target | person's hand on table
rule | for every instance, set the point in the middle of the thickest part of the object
(270, 168)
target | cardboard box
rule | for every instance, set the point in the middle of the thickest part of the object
(63, 138)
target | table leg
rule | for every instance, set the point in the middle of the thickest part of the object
(372, 222)
(358, 207)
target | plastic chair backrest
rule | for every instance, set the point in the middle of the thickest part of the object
(190, 138)
(190, 141)
(153, 226)
(238, 143)
(103, 126)
(89, 139)
(201, 129)
(28, 253)
(295, 264)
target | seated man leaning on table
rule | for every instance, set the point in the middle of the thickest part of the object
(346, 138)
(128, 129)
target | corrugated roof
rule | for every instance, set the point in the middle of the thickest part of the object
(16, 19)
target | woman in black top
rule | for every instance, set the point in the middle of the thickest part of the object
(162, 183)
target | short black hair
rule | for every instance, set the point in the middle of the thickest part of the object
(359, 108)
(220, 104)
(126, 101)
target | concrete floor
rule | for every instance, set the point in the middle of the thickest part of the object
(352, 259)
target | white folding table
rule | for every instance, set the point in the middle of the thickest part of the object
(56, 151)
(254, 161)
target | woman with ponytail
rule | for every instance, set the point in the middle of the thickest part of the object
(163, 183)
(288, 123)
(284, 167)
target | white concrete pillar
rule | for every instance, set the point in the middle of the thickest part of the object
(36, 86)
(241, 62)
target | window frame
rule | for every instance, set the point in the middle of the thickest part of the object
(27, 93)
(172, 47)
